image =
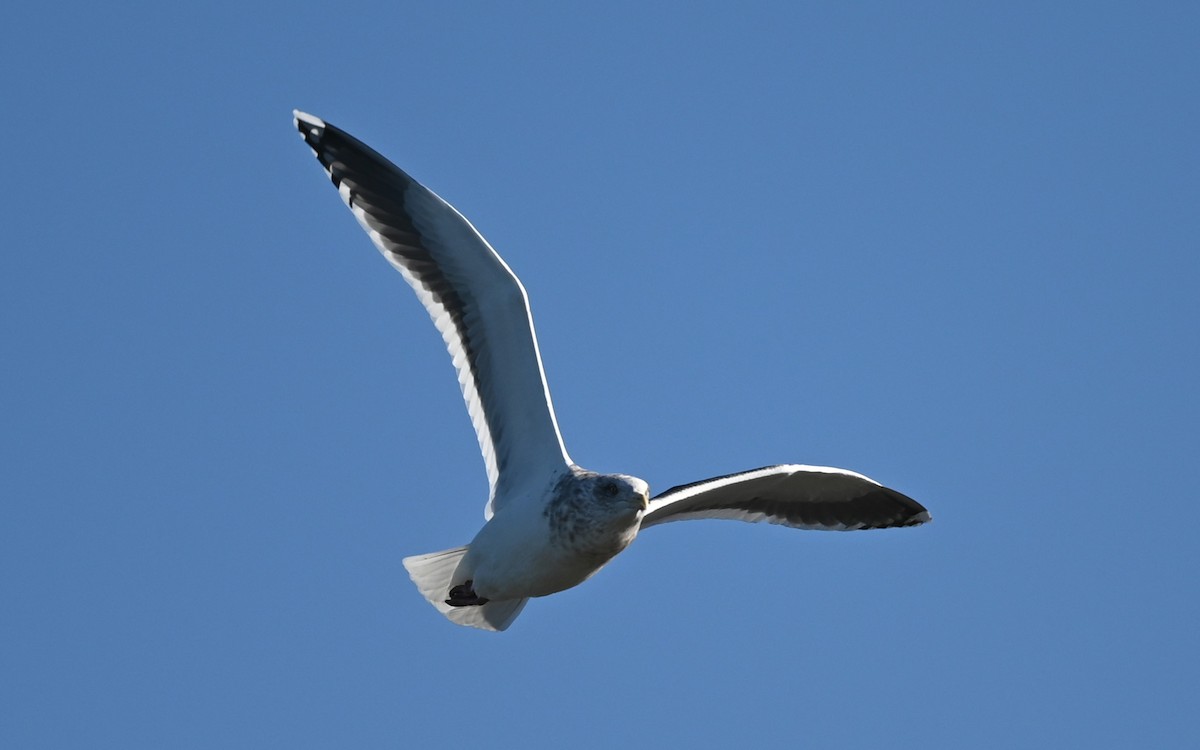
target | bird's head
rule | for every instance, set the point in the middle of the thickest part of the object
(618, 494)
(597, 514)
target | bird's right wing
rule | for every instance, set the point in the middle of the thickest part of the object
(803, 497)
(475, 301)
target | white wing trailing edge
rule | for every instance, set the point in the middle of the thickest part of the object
(803, 497)
(473, 297)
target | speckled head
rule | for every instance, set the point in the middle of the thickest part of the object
(619, 492)
(596, 514)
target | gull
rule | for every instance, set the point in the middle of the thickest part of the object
(549, 524)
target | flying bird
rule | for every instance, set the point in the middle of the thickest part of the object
(549, 524)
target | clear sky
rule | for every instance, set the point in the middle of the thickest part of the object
(952, 246)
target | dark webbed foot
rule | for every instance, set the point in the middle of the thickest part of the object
(464, 596)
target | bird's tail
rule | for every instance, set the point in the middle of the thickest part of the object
(434, 575)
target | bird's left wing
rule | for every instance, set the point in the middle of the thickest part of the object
(803, 497)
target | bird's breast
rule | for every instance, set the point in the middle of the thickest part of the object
(536, 556)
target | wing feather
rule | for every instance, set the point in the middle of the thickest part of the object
(803, 497)
(473, 297)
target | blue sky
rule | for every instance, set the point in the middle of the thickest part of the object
(953, 248)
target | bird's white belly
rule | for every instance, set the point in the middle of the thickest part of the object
(515, 556)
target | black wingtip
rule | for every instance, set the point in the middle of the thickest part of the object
(916, 513)
(304, 120)
(311, 128)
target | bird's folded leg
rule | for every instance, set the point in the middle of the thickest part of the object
(464, 595)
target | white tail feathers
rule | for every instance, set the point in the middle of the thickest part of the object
(434, 575)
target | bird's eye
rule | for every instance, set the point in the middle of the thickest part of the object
(610, 489)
